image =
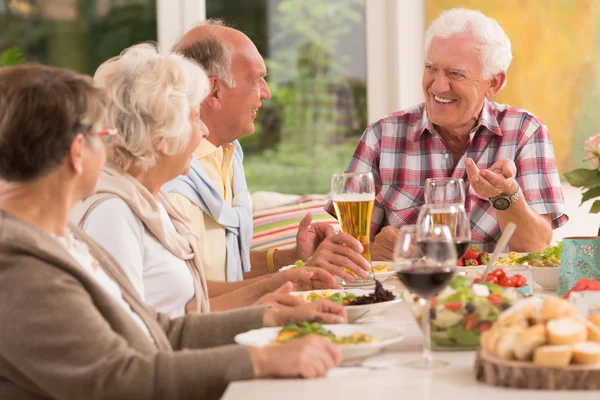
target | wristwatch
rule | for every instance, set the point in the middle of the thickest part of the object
(503, 202)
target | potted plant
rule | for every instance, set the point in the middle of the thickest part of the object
(11, 56)
(589, 178)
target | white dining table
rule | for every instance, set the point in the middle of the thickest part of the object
(388, 378)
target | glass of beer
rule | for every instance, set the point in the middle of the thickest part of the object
(353, 196)
(444, 191)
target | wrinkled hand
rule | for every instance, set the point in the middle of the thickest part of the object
(309, 237)
(341, 251)
(305, 278)
(497, 180)
(281, 297)
(309, 357)
(323, 311)
(383, 246)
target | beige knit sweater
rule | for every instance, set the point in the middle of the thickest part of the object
(63, 337)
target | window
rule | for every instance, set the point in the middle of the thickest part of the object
(75, 34)
(315, 55)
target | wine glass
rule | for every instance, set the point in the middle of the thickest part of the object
(353, 197)
(444, 191)
(425, 262)
(454, 217)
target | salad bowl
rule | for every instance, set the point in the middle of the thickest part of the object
(460, 313)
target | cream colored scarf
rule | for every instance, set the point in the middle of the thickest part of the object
(183, 244)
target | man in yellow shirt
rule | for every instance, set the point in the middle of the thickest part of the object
(214, 194)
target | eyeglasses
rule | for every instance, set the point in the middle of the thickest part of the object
(108, 137)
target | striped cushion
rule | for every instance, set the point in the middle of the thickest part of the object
(277, 226)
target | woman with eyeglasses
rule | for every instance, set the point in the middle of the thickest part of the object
(156, 109)
(72, 325)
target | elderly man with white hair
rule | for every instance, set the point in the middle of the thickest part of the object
(503, 153)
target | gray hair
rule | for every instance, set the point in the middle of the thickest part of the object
(151, 99)
(211, 52)
(494, 43)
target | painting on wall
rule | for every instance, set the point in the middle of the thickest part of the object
(555, 72)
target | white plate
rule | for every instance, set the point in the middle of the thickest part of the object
(265, 336)
(378, 275)
(287, 267)
(360, 311)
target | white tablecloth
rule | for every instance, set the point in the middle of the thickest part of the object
(454, 382)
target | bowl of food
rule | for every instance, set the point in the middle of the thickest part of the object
(359, 303)
(545, 265)
(461, 312)
(546, 276)
(355, 341)
(382, 269)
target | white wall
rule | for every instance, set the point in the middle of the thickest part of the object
(175, 17)
(395, 30)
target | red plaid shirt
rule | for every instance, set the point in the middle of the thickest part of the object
(404, 149)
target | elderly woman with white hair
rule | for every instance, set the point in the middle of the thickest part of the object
(73, 326)
(503, 153)
(155, 105)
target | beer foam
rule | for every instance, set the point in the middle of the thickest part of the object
(353, 197)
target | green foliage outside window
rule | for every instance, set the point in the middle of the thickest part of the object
(11, 56)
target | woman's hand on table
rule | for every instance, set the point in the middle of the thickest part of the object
(323, 311)
(309, 357)
(281, 297)
(339, 251)
(383, 245)
(305, 278)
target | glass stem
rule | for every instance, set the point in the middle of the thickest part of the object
(426, 331)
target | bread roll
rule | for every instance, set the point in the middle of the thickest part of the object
(552, 356)
(535, 318)
(518, 314)
(586, 353)
(566, 331)
(595, 318)
(492, 339)
(593, 331)
(555, 307)
(529, 340)
(507, 342)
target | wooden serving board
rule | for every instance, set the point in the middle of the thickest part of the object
(494, 371)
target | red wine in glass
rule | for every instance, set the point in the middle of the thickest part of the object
(424, 280)
(440, 250)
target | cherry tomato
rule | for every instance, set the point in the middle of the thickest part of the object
(469, 322)
(507, 282)
(476, 280)
(495, 299)
(453, 306)
(484, 326)
(491, 279)
(520, 280)
(498, 273)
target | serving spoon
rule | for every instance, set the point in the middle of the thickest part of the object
(500, 245)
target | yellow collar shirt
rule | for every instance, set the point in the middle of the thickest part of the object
(217, 163)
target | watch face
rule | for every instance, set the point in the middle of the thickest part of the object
(501, 203)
